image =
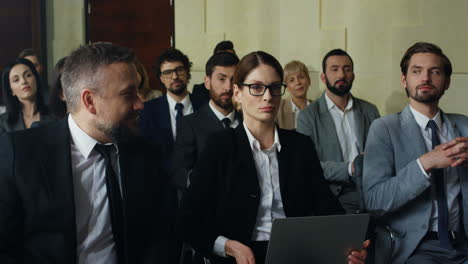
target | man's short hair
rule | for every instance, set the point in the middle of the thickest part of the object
(29, 52)
(224, 46)
(83, 68)
(335, 52)
(223, 59)
(425, 47)
(172, 55)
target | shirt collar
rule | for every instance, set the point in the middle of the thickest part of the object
(83, 142)
(220, 115)
(294, 106)
(331, 105)
(422, 120)
(255, 145)
(172, 103)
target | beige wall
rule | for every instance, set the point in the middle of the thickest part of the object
(65, 29)
(375, 33)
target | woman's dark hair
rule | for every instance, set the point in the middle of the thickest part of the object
(58, 107)
(13, 105)
(251, 61)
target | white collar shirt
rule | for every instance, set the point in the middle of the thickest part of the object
(271, 204)
(345, 126)
(95, 241)
(221, 116)
(188, 109)
(296, 110)
(452, 183)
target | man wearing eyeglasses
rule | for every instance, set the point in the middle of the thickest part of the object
(338, 123)
(161, 115)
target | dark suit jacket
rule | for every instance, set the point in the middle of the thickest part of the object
(192, 133)
(155, 124)
(37, 209)
(200, 91)
(224, 194)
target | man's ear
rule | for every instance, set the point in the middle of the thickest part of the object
(207, 82)
(87, 98)
(237, 93)
(403, 81)
(323, 77)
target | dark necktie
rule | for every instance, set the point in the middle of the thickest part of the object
(179, 108)
(226, 122)
(438, 179)
(115, 200)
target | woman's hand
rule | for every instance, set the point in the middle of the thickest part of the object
(359, 257)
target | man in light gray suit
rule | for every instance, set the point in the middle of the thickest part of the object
(416, 167)
(338, 123)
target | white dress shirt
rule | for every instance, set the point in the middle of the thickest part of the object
(271, 203)
(188, 109)
(296, 110)
(451, 179)
(345, 125)
(95, 240)
(221, 116)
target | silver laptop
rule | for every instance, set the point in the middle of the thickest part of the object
(316, 239)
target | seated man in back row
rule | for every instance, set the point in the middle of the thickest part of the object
(416, 167)
(86, 189)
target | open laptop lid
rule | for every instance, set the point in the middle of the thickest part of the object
(316, 239)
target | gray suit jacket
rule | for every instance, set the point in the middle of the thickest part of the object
(393, 184)
(316, 121)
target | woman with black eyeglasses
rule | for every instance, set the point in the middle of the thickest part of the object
(249, 176)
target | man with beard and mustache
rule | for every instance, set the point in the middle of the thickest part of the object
(416, 167)
(218, 114)
(338, 123)
(87, 189)
(160, 117)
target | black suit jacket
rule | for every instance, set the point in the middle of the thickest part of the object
(224, 194)
(155, 125)
(192, 133)
(37, 209)
(200, 91)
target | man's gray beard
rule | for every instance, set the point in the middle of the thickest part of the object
(118, 133)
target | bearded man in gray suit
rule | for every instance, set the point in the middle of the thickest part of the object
(416, 167)
(338, 123)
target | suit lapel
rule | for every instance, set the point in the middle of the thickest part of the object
(283, 162)
(327, 127)
(211, 118)
(249, 177)
(360, 124)
(165, 117)
(56, 165)
(410, 129)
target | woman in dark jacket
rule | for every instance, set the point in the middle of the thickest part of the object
(249, 176)
(22, 95)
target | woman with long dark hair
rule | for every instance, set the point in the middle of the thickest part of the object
(22, 95)
(248, 176)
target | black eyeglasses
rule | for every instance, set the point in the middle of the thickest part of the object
(258, 89)
(168, 73)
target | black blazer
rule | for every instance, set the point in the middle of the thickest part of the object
(200, 91)
(155, 125)
(37, 209)
(192, 133)
(224, 194)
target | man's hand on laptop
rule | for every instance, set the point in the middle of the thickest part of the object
(242, 253)
(359, 256)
